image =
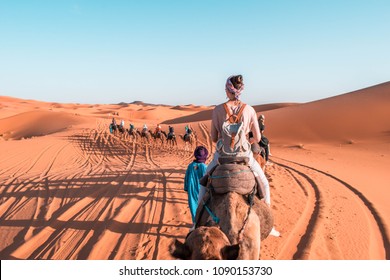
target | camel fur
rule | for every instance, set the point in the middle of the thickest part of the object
(205, 243)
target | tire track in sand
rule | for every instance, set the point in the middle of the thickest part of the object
(157, 211)
(206, 134)
(330, 213)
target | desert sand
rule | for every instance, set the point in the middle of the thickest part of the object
(71, 190)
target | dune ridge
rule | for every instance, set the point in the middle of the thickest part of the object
(35, 123)
(345, 118)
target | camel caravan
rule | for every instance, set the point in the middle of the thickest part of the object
(157, 137)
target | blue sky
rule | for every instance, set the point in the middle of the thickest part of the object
(181, 52)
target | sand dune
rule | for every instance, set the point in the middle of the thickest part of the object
(71, 190)
(35, 123)
(345, 118)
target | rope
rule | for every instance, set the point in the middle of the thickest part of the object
(215, 218)
(229, 175)
(251, 201)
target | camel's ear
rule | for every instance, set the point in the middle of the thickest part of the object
(180, 250)
(230, 252)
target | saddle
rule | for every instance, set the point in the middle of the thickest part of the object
(232, 176)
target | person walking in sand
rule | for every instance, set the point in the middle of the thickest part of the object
(233, 87)
(195, 171)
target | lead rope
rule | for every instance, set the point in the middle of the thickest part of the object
(251, 201)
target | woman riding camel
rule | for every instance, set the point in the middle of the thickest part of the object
(233, 88)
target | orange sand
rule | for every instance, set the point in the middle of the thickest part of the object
(70, 190)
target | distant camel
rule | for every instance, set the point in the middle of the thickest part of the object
(160, 136)
(116, 128)
(146, 136)
(133, 133)
(189, 140)
(259, 154)
(171, 139)
(113, 128)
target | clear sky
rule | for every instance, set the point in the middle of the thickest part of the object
(181, 52)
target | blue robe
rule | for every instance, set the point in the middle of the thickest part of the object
(194, 172)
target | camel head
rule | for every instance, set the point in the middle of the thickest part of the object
(205, 243)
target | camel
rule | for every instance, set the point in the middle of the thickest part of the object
(189, 139)
(205, 243)
(115, 128)
(133, 133)
(145, 136)
(159, 136)
(244, 226)
(171, 139)
(260, 157)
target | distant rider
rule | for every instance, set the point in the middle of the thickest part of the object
(144, 129)
(158, 129)
(188, 129)
(112, 125)
(188, 132)
(131, 128)
(171, 132)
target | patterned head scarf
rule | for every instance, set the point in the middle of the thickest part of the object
(229, 87)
